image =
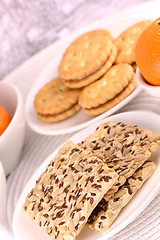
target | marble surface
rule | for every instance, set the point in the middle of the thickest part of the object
(27, 27)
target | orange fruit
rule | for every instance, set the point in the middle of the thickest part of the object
(147, 53)
(4, 119)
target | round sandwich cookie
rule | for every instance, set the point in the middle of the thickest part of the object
(79, 83)
(114, 101)
(55, 102)
(87, 58)
(107, 87)
(126, 42)
(108, 91)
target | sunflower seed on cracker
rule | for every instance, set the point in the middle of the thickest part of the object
(68, 191)
(107, 211)
(123, 147)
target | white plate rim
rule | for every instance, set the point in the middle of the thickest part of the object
(150, 89)
(74, 137)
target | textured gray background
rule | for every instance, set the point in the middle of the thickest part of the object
(27, 26)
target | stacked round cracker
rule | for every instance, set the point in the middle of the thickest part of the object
(87, 58)
(55, 102)
(89, 63)
(95, 74)
(84, 61)
(111, 89)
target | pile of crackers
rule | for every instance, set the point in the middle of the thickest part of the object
(96, 73)
(89, 183)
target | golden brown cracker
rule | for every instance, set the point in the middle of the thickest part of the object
(113, 102)
(51, 118)
(126, 42)
(94, 76)
(85, 55)
(55, 97)
(103, 90)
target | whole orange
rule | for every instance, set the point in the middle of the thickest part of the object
(4, 119)
(147, 53)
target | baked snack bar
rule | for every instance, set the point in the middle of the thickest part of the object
(106, 212)
(68, 191)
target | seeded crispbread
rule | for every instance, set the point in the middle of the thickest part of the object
(86, 54)
(68, 191)
(81, 82)
(106, 212)
(55, 102)
(126, 42)
(114, 101)
(107, 87)
(122, 147)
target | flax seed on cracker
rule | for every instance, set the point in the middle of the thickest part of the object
(68, 191)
